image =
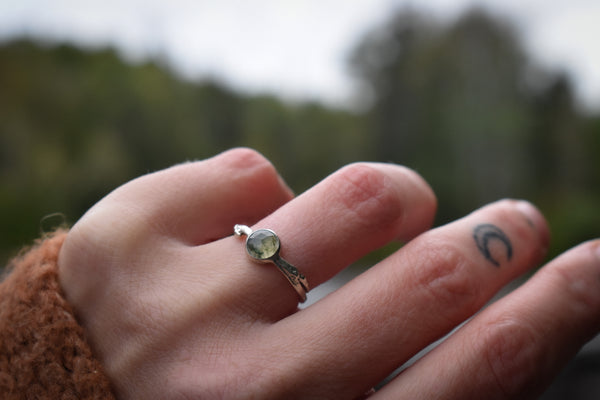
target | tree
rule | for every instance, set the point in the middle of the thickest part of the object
(454, 103)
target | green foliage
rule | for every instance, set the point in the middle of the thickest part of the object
(75, 124)
(461, 103)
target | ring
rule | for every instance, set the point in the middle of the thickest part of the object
(264, 245)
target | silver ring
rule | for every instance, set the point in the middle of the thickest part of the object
(264, 245)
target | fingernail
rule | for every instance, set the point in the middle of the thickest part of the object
(535, 219)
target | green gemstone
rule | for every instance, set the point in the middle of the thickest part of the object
(262, 244)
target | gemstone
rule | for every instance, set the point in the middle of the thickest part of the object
(262, 244)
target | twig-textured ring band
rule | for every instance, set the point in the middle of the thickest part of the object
(264, 245)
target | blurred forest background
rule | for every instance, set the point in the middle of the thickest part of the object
(460, 102)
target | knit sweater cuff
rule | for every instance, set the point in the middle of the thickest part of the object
(43, 350)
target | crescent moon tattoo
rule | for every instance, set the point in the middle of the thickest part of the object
(485, 233)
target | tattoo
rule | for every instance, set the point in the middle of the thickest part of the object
(483, 234)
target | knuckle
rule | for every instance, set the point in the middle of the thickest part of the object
(521, 228)
(368, 194)
(445, 276)
(511, 354)
(251, 169)
(243, 157)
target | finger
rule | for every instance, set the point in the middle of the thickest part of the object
(514, 347)
(349, 214)
(415, 296)
(199, 202)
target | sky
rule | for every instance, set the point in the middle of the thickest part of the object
(295, 49)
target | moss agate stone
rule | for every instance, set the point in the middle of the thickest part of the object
(262, 244)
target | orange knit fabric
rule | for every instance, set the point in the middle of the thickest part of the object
(43, 351)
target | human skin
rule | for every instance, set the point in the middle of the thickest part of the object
(175, 309)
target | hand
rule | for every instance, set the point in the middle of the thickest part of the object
(175, 309)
